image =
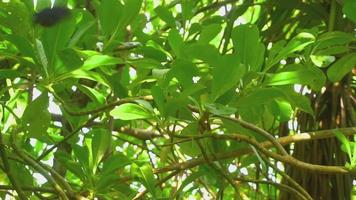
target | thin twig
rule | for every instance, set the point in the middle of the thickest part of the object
(66, 138)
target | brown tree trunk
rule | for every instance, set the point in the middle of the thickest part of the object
(333, 109)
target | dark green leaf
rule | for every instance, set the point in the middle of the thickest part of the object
(260, 96)
(83, 157)
(300, 101)
(20, 172)
(55, 39)
(22, 44)
(110, 12)
(175, 41)
(349, 9)
(184, 71)
(9, 73)
(190, 148)
(341, 67)
(15, 15)
(131, 10)
(159, 98)
(36, 118)
(115, 162)
(71, 165)
(209, 32)
(100, 144)
(248, 48)
(166, 16)
(226, 75)
(70, 59)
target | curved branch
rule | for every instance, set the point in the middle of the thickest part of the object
(253, 128)
(284, 141)
(260, 131)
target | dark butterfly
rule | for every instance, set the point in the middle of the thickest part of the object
(51, 16)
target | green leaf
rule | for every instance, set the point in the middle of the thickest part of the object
(115, 162)
(100, 144)
(71, 165)
(205, 52)
(209, 32)
(15, 15)
(184, 71)
(285, 110)
(298, 43)
(312, 77)
(9, 73)
(100, 60)
(79, 73)
(349, 9)
(341, 67)
(331, 39)
(145, 174)
(190, 179)
(130, 111)
(165, 15)
(93, 94)
(260, 96)
(190, 148)
(175, 41)
(85, 25)
(226, 75)
(248, 48)
(219, 109)
(43, 57)
(117, 84)
(105, 183)
(188, 9)
(130, 12)
(345, 143)
(333, 50)
(82, 155)
(145, 63)
(159, 98)
(300, 101)
(153, 53)
(55, 39)
(22, 44)
(21, 173)
(70, 59)
(36, 118)
(110, 12)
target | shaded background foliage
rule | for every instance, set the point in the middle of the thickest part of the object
(139, 99)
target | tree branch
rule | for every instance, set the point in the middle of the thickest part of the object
(316, 135)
